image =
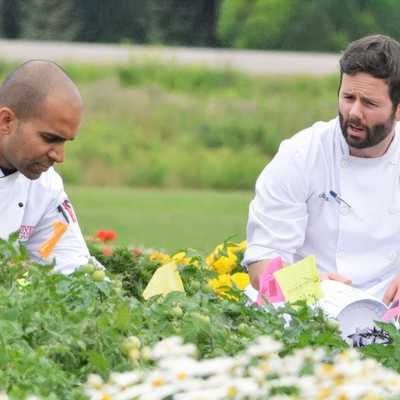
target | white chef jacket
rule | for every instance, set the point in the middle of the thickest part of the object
(294, 215)
(32, 207)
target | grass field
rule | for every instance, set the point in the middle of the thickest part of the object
(162, 218)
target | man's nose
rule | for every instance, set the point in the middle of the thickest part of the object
(356, 110)
(57, 153)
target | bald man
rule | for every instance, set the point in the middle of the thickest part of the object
(40, 110)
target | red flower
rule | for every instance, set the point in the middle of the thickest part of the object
(106, 251)
(106, 236)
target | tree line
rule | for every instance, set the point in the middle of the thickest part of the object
(314, 25)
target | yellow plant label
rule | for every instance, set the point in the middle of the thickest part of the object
(165, 279)
(300, 281)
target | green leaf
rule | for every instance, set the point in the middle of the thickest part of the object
(99, 362)
(122, 318)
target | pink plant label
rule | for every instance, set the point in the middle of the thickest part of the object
(269, 287)
(273, 291)
(391, 313)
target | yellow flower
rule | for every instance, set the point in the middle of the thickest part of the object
(159, 257)
(241, 280)
(181, 259)
(222, 260)
(243, 245)
(225, 264)
(214, 254)
(210, 259)
(221, 284)
(239, 247)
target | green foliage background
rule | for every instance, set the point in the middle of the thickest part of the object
(312, 25)
(151, 125)
(151, 21)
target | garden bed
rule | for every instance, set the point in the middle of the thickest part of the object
(62, 335)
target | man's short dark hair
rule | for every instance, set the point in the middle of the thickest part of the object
(377, 55)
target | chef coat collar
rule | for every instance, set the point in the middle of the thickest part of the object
(6, 171)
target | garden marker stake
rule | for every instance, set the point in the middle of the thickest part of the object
(165, 279)
(392, 313)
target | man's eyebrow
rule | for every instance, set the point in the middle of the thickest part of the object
(54, 136)
(371, 97)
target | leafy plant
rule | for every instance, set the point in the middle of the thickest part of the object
(55, 330)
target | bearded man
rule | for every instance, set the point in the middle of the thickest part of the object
(333, 190)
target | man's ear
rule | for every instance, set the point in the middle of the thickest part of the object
(8, 121)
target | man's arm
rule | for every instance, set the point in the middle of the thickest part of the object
(278, 214)
(393, 291)
(56, 233)
(58, 237)
(333, 276)
(255, 271)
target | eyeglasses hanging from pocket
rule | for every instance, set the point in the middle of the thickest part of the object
(345, 207)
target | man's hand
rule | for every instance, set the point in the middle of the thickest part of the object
(255, 271)
(393, 291)
(333, 276)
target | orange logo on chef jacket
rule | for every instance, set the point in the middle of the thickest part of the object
(47, 247)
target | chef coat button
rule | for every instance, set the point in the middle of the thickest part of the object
(340, 254)
(392, 255)
(344, 163)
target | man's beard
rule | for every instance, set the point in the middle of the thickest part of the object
(373, 135)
